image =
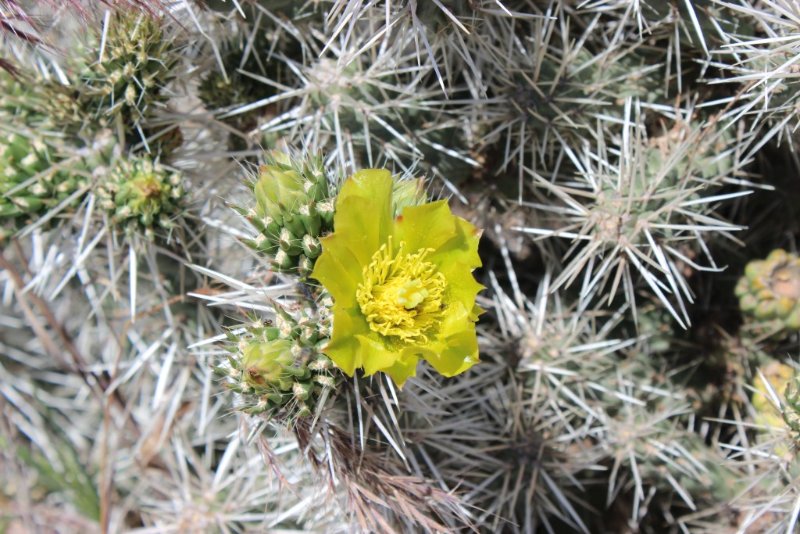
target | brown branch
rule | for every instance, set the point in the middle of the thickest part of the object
(29, 301)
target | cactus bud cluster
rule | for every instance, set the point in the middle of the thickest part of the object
(30, 180)
(769, 291)
(280, 363)
(34, 101)
(130, 72)
(293, 210)
(140, 193)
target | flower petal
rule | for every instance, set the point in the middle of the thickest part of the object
(434, 226)
(403, 369)
(461, 285)
(344, 349)
(459, 352)
(375, 355)
(455, 349)
(425, 226)
(461, 247)
(337, 269)
(363, 216)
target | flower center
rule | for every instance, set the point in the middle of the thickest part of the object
(401, 295)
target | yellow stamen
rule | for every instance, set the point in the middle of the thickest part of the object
(402, 295)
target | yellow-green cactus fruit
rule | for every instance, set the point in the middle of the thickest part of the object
(785, 416)
(791, 412)
(778, 376)
(293, 211)
(770, 290)
(278, 367)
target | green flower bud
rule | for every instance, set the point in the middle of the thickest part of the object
(266, 363)
(278, 190)
(292, 211)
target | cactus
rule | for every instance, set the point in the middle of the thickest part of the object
(32, 182)
(253, 53)
(293, 210)
(652, 209)
(769, 292)
(279, 369)
(627, 163)
(122, 82)
(140, 194)
(373, 114)
(764, 62)
(537, 114)
(43, 173)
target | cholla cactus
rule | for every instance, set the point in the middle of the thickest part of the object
(32, 182)
(122, 84)
(366, 113)
(224, 91)
(611, 385)
(279, 369)
(648, 210)
(550, 98)
(254, 51)
(294, 209)
(140, 194)
(44, 171)
(764, 64)
(769, 292)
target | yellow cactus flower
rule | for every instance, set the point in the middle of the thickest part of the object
(402, 284)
